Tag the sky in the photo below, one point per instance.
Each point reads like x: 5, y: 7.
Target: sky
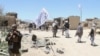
x: 30, y: 9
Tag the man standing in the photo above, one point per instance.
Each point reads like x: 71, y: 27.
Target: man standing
x: 46, y: 26
x: 63, y: 28
x: 92, y: 34
x: 30, y: 27
x: 55, y: 28
x: 14, y: 41
x: 66, y: 25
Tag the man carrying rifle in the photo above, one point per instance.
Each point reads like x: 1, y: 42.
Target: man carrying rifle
x: 92, y: 34
x: 14, y: 41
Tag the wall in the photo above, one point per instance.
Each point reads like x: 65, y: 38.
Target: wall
x: 74, y: 21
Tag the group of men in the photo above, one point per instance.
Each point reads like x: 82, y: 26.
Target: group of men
x: 14, y: 36
x: 65, y: 28
x: 78, y: 33
x: 92, y: 33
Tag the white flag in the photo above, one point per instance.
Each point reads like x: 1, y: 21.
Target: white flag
x: 79, y: 6
x: 42, y: 17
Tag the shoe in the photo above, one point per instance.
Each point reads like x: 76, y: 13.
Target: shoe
x: 94, y: 45
x: 79, y: 41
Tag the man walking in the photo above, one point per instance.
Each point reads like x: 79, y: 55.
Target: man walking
x: 79, y: 32
x: 14, y: 41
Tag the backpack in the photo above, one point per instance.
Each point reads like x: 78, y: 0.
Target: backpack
x: 34, y: 37
x: 66, y: 25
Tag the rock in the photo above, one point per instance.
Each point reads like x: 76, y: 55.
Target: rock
x: 1, y: 50
x: 60, y: 51
x: 24, y: 50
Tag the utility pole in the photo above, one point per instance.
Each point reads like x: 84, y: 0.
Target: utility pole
x: 80, y: 9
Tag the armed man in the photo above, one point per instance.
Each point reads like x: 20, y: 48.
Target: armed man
x: 14, y: 41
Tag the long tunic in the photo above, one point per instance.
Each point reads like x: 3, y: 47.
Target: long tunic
x: 79, y: 31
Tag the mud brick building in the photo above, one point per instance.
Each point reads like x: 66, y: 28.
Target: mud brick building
x: 9, y: 19
x: 74, y: 21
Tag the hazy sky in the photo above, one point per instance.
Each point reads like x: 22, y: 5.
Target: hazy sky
x: 30, y: 9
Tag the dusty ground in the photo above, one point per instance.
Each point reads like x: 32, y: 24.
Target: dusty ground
x: 69, y: 45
